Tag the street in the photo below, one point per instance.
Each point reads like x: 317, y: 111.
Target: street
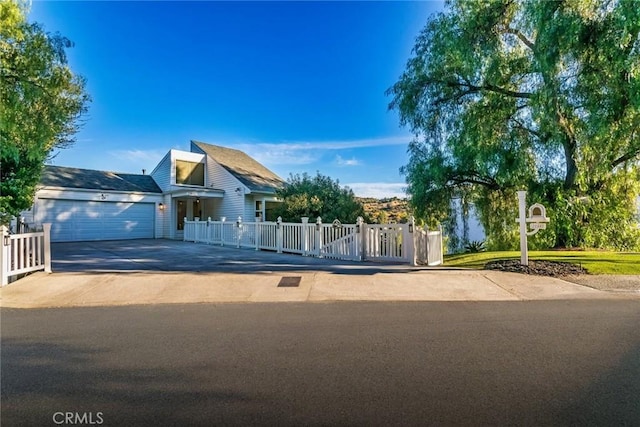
x: 347, y: 363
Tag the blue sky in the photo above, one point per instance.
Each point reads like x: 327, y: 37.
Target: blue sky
x: 297, y: 85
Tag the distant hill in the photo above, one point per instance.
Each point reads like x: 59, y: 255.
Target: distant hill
x: 388, y: 210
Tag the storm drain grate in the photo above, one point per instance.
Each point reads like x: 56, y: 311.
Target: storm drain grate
x: 290, y: 282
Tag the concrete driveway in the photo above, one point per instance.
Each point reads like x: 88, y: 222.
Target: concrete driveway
x: 165, y: 272
x: 160, y: 255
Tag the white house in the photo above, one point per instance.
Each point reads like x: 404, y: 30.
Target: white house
x: 208, y: 181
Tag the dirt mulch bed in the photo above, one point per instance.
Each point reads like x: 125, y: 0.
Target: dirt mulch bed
x: 542, y: 268
x: 571, y: 273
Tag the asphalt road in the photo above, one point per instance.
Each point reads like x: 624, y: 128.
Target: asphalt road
x: 519, y: 363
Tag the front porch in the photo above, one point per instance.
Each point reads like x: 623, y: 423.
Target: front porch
x: 192, y: 209
x: 193, y: 204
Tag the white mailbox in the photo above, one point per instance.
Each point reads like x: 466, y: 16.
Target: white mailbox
x: 537, y: 214
x: 536, y: 221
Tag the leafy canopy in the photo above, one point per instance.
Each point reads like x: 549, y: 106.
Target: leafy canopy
x: 41, y: 103
x: 527, y: 94
x: 318, y: 196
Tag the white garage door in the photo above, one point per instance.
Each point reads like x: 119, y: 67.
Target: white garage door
x: 85, y: 220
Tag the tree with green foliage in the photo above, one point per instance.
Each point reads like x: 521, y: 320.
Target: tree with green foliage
x: 526, y: 94
x: 41, y: 104
x: 381, y: 217
x: 318, y: 196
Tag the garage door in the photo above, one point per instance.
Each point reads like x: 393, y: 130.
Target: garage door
x: 85, y: 220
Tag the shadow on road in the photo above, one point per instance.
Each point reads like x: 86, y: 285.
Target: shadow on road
x: 613, y: 398
x: 40, y: 379
x: 529, y: 363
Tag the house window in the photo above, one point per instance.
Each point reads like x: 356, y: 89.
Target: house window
x: 189, y: 173
x: 258, y: 210
x: 270, y: 211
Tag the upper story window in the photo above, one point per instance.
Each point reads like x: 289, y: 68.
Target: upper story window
x: 189, y: 173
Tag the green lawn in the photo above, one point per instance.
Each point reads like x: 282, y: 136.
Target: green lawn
x: 596, y: 262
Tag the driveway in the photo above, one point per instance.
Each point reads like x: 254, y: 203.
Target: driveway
x: 160, y: 255
x: 165, y: 271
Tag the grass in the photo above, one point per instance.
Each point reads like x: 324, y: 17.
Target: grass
x: 596, y: 262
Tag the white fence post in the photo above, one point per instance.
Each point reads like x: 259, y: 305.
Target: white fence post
x: 258, y: 235
x: 427, y: 249
x: 4, y: 256
x: 185, y: 233
x: 441, y: 244
x: 222, y: 219
x: 239, y: 233
x: 360, y: 238
x: 411, y: 242
x: 366, y: 237
x: 46, y: 227
x: 279, y: 235
x: 305, y: 237
x: 318, y: 248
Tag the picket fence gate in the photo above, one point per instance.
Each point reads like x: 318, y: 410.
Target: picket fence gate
x: 404, y: 243
x: 24, y: 253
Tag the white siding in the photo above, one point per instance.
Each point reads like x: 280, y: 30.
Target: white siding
x: 233, y: 204
x: 162, y: 173
x: 215, y: 208
x: 249, y: 209
x: 97, y: 195
x: 164, y: 222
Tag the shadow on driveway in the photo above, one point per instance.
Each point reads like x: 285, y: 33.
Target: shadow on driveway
x: 160, y: 255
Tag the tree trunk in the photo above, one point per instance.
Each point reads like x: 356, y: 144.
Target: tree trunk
x: 572, y: 168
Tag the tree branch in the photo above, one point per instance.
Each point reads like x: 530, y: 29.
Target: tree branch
x: 493, y: 88
x: 472, y: 177
x: 521, y: 126
x: 626, y: 157
x: 487, y: 87
x: 17, y: 78
x: 520, y: 36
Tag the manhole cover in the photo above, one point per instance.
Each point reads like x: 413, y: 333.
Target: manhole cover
x: 289, y: 282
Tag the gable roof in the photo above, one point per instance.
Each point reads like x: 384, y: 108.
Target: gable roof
x: 58, y: 176
x: 246, y: 169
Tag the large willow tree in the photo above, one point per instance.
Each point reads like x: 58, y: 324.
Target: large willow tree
x: 536, y: 95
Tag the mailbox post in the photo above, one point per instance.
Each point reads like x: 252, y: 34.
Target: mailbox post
x: 537, y: 219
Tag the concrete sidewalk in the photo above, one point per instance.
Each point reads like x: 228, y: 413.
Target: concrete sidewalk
x: 76, y: 289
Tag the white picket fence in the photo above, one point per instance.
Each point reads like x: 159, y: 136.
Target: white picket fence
x: 24, y: 253
x: 357, y: 242
x: 429, y: 246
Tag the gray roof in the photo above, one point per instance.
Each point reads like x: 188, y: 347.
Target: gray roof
x: 58, y: 176
x: 246, y: 169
